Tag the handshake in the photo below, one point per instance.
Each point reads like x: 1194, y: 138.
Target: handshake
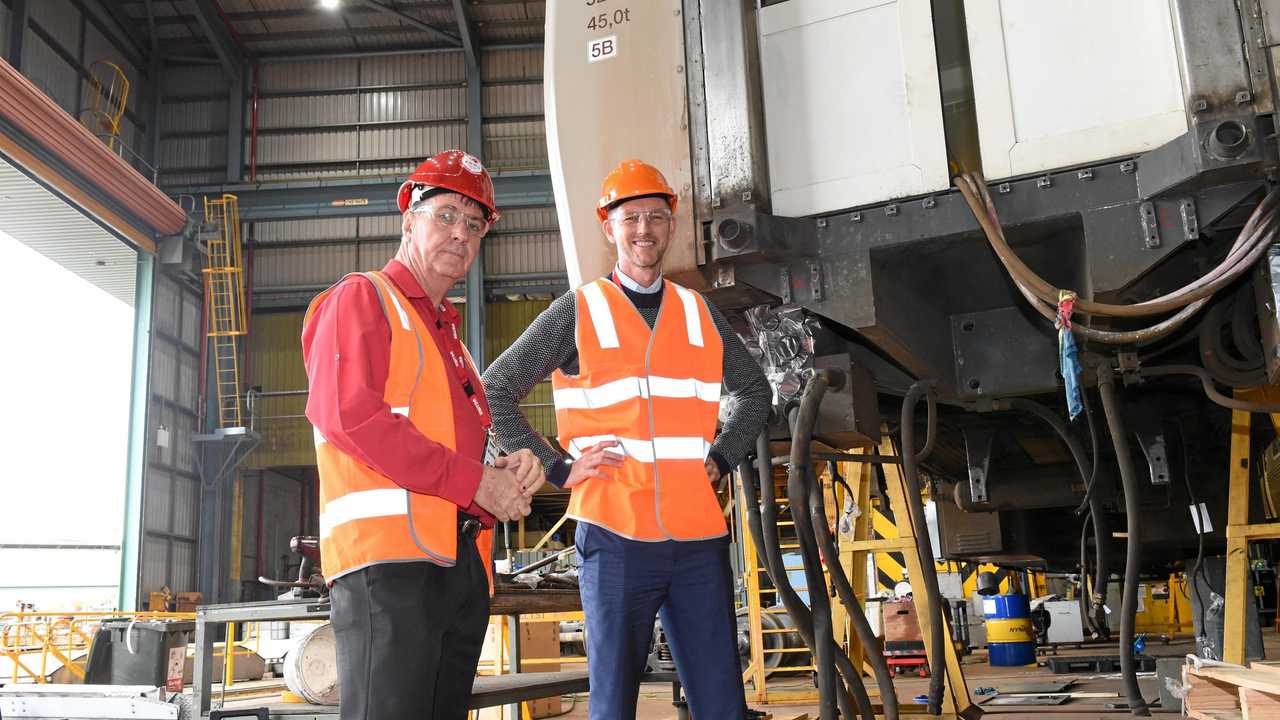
x: 508, y: 485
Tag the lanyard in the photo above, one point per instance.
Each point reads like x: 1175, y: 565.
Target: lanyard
x: 453, y: 346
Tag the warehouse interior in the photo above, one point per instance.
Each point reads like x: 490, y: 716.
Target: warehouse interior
x: 1012, y: 509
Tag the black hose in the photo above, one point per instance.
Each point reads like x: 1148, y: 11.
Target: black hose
x: 1133, y: 540
x: 1101, y: 529
x: 1095, y: 450
x: 799, y: 481
x: 1086, y: 609
x: 762, y: 516
x: 871, y: 645
x: 924, y: 547
x: 1089, y: 475
x: 1197, y: 568
x: 1222, y: 365
x: 1244, y: 324
x: 1207, y: 383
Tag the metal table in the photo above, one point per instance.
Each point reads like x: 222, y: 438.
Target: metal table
x: 509, y: 602
x: 206, y: 615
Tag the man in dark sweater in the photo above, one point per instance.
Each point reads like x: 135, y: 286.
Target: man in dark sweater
x: 638, y: 363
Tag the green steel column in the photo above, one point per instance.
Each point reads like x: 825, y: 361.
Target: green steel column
x: 139, y: 400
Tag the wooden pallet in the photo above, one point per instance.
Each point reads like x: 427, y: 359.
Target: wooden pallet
x: 1232, y: 692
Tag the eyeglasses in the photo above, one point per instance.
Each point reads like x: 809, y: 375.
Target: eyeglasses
x: 658, y: 217
x: 448, y: 216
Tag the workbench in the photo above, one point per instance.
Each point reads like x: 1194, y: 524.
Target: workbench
x: 487, y: 691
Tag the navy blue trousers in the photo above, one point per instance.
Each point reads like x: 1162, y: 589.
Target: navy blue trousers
x: 625, y: 583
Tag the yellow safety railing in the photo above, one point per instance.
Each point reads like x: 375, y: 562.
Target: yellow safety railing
x: 225, y: 304
x: 31, y: 640
x: 763, y: 601
x: 109, y: 95
x: 231, y: 649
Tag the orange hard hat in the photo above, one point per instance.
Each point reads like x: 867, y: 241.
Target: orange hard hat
x: 452, y: 170
x: 632, y: 179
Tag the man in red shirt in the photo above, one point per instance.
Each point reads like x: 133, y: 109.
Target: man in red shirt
x: 408, y: 475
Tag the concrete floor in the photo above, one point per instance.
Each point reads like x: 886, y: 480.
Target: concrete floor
x: 655, y: 700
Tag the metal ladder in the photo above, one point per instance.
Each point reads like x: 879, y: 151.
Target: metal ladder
x: 224, y: 302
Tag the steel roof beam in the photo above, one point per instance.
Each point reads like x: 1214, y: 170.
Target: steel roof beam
x: 412, y: 21
x: 219, y: 35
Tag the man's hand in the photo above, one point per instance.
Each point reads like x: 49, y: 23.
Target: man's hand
x: 528, y: 470
x: 713, y: 471
x: 499, y: 493
x: 594, y: 463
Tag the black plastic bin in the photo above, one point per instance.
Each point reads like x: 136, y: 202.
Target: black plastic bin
x: 141, y: 658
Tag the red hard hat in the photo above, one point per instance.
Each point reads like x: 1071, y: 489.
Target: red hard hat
x: 632, y: 178
x: 452, y: 170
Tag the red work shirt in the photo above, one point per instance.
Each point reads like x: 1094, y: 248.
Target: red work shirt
x: 347, y: 350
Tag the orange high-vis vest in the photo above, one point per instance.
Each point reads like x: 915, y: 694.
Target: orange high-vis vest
x: 365, y: 517
x: 657, y: 393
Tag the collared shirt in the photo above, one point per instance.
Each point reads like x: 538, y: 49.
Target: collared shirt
x: 347, y: 351
x: 630, y: 284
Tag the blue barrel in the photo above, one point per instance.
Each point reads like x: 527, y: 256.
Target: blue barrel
x: 1010, y: 636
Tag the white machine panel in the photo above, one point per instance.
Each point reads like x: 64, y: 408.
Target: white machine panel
x: 853, y: 108
x: 1059, y: 84
x: 1065, y: 625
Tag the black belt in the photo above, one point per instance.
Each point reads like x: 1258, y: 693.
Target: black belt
x: 468, y: 526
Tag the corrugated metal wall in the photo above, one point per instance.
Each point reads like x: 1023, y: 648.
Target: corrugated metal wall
x: 276, y: 356
x: 60, y: 46
x: 276, y: 361
x: 193, y: 121
x: 171, y: 482
x: 4, y: 29
x: 379, y: 115
x: 273, y: 514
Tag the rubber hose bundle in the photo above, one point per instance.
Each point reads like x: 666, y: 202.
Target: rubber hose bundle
x: 924, y: 547
x: 1133, y: 540
x: 872, y: 646
x: 762, y: 519
x: 1250, y: 244
x: 799, y: 480
x: 1244, y: 367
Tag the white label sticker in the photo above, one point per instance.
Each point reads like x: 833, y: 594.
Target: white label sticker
x: 472, y: 164
x: 988, y: 607
x: 1201, y: 519
x: 173, y: 674
x: 602, y: 49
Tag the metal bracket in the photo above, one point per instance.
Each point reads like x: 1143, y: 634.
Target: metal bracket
x: 977, y: 447
x: 1190, y: 223
x: 1147, y: 213
x: 815, y: 280
x: 725, y: 276
x: 1150, y: 436
x: 784, y: 284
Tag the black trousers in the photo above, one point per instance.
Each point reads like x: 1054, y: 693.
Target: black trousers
x: 409, y: 637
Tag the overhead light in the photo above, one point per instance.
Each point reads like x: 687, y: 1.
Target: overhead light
x: 330, y: 4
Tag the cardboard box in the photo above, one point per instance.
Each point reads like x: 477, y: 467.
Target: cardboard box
x: 538, y: 640
x: 187, y: 601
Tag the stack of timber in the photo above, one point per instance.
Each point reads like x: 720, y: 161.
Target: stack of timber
x: 1220, y: 691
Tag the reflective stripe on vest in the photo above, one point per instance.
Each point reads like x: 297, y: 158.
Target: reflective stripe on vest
x: 656, y: 392
x: 628, y: 388
x: 365, y: 518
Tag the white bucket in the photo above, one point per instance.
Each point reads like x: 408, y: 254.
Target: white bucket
x: 311, y: 668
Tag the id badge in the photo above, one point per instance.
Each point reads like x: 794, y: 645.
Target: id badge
x: 491, y: 449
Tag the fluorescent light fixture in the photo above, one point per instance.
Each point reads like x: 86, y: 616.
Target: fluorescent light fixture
x: 330, y: 4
